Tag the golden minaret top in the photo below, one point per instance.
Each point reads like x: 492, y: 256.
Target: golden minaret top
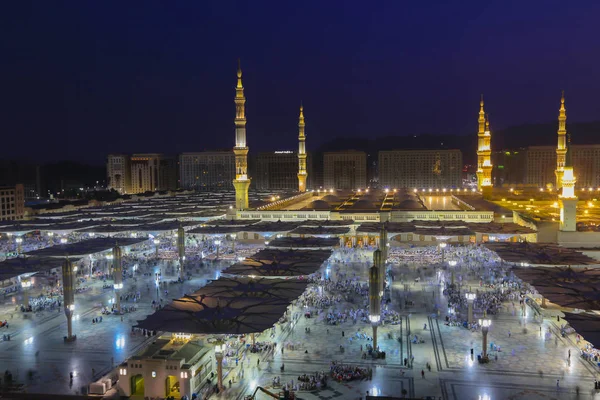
x: 561, y: 148
x: 302, y: 173
x: 241, y: 183
x: 481, y: 119
x: 484, y: 164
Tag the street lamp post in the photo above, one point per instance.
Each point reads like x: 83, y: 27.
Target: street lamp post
x: 443, y: 247
x: 217, y: 243
x: 157, y: 282
x: 181, y: 251
x: 375, y: 296
x: 219, y: 349
x: 108, y: 264
x: 485, y: 326
x: 118, y: 274
x: 26, y: 285
x: 232, y: 237
x: 156, y: 243
x: 452, y: 263
x: 19, y: 241
x: 69, y: 296
x: 470, y: 299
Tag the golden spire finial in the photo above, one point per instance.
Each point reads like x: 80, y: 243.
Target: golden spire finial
x: 481, y: 101
x: 301, y: 110
x: 239, y: 75
x: 487, y: 122
x: 562, y: 97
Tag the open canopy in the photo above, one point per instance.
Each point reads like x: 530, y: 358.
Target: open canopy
x: 587, y: 325
x: 568, y: 287
x: 539, y: 254
x: 84, y: 248
x: 288, y: 289
x: 304, y: 243
x: 14, y: 267
x: 320, y: 230
x: 278, y: 226
x: 217, y: 315
x: 280, y: 263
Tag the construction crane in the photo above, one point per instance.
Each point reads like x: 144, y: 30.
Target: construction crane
x: 283, y: 395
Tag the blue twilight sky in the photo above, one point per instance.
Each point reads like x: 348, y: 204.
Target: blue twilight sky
x: 79, y: 79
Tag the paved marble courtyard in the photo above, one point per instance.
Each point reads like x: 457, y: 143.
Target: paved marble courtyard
x: 527, y: 367
x: 37, y: 338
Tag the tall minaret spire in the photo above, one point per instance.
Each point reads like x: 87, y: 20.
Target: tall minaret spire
x: 568, y: 199
x: 302, y: 174
x: 561, y: 149
x: 484, y: 151
x: 481, y: 119
x: 241, y: 183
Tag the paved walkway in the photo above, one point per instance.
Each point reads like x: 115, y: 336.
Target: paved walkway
x: 98, y: 346
x: 527, y: 367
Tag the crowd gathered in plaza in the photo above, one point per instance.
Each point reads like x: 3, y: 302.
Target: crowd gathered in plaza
x: 337, y: 297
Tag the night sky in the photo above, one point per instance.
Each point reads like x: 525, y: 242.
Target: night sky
x: 81, y: 79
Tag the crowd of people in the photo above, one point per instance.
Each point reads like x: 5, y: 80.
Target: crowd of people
x: 336, y: 296
x: 344, y: 372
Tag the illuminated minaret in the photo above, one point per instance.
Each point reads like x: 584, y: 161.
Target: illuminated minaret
x: 561, y: 149
x: 567, y: 199
x: 484, y: 151
x: 241, y: 183
x: 302, y: 174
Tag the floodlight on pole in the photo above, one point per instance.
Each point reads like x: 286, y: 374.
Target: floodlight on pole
x: 217, y: 243
x: 219, y: 350
x: 156, y: 243
x: 443, y: 247
x: 485, y: 326
x: 470, y: 299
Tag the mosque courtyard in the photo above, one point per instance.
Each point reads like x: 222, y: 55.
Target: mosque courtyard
x: 527, y: 366
x: 530, y: 359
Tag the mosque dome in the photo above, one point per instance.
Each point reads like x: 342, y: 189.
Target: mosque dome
x: 410, y: 204
x: 318, y: 205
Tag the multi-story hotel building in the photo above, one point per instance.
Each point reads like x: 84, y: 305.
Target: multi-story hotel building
x: 209, y: 170
x: 12, y: 202
x: 152, y: 172
x: 509, y: 166
x: 345, y: 170
x: 118, y: 173
x: 540, y: 165
x: 420, y: 168
x: 276, y: 170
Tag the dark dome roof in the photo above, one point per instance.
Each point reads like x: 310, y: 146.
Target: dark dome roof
x: 410, y: 204
x: 331, y: 198
x: 318, y: 205
x: 364, y: 204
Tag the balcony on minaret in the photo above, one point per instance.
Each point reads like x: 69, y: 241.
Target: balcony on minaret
x: 487, y: 163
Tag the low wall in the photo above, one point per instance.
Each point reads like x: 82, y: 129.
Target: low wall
x: 578, y: 239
